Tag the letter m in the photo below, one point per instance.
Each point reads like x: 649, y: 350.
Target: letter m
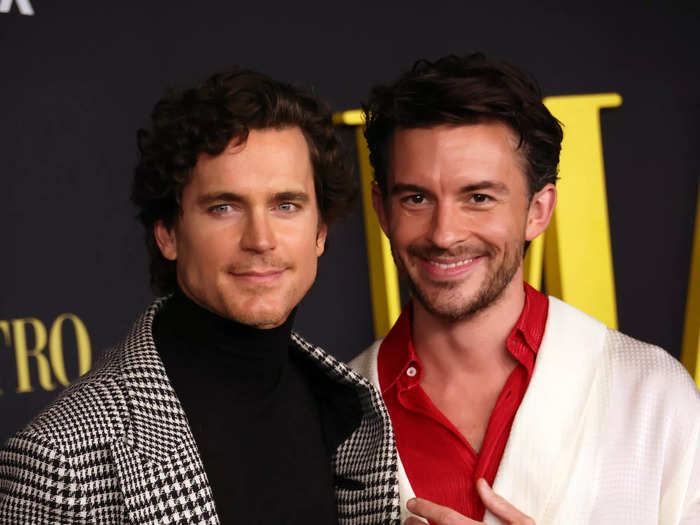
x: 24, y: 6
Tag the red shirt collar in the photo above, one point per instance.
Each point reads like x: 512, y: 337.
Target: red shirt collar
x: 397, y: 354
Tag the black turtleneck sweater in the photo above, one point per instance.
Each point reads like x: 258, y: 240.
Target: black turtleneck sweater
x: 265, y: 418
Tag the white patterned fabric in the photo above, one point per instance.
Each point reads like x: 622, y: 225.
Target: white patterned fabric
x: 115, y: 448
x: 608, y: 432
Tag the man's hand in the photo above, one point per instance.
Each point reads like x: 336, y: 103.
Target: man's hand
x: 439, y: 515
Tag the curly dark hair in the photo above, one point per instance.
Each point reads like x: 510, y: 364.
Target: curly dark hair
x: 205, y: 119
x: 457, y: 90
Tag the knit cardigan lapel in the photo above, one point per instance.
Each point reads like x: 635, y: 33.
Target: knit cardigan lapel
x: 548, y: 467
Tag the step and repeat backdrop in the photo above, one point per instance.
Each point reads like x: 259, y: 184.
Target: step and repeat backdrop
x: 78, y: 78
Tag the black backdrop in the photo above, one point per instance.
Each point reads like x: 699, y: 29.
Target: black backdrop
x: 79, y: 77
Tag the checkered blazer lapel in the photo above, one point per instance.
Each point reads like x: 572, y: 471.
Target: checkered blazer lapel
x: 157, y: 462
x: 365, y: 465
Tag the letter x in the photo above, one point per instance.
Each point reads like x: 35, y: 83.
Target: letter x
x: 23, y: 5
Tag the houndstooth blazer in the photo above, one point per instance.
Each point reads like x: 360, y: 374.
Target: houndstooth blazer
x: 116, y: 448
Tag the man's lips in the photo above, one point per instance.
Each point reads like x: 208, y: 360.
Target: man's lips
x: 259, y: 276
x: 446, y: 268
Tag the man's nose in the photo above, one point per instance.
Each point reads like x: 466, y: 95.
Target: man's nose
x: 258, y: 235
x: 447, y: 227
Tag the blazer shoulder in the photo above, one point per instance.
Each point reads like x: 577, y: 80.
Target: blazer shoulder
x: 93, y: 411
x: 89, y: 413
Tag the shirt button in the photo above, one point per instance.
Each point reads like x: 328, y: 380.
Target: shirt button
x: 411, y: 371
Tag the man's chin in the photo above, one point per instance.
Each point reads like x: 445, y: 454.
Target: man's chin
x: 262, y: 318
x: 448, y: 311
x: 265, y: 323
x: 448, y: 303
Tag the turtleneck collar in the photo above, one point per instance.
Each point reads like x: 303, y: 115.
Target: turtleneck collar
x: 195, y: 340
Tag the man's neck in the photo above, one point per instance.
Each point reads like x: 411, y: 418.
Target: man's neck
x: 475, y: 346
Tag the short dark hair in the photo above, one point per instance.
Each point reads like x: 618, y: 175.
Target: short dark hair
x: 205, y: 119
x: 457, y: 90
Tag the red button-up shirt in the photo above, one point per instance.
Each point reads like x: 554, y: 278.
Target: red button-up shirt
x: 440, y: 463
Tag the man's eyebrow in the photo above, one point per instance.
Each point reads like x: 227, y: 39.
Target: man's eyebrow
x: 219, y: 196
x: 296, y: 196
x: 408, y: 188
x: 498, y: 187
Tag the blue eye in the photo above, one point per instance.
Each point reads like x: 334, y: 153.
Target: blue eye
x: 287, y: 206
x: 220, y: 208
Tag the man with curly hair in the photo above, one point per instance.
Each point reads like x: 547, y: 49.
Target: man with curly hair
x: 488, y: 382
x: 212, y: 410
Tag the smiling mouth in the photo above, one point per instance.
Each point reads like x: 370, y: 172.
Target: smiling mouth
x: 455, y: 264
x: 443, y: 269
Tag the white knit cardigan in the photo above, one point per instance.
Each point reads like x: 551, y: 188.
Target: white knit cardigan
x: 608, y: 432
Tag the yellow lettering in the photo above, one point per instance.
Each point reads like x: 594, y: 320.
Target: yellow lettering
x: 5, y: 330
x: 23, y: 353
x: 578, y: 255
x: 690, y: 354
x: 56, y: 347
x: 384, y: 282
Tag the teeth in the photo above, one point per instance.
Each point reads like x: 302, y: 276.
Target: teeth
x: 451, y: 265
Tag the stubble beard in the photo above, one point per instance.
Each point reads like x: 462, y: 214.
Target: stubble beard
x: 458, y: 308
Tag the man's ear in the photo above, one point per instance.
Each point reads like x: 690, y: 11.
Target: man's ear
x: 540, y: 211
x: 379, y: 207
x: 166, y: 240
x: 321, y: 238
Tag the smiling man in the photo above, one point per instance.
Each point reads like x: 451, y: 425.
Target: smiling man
x: 487, y: 381
x: 213, y: 410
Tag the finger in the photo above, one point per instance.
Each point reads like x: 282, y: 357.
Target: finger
x: 413, y: 521
x: 499, y: 506
x: 437, y: 514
